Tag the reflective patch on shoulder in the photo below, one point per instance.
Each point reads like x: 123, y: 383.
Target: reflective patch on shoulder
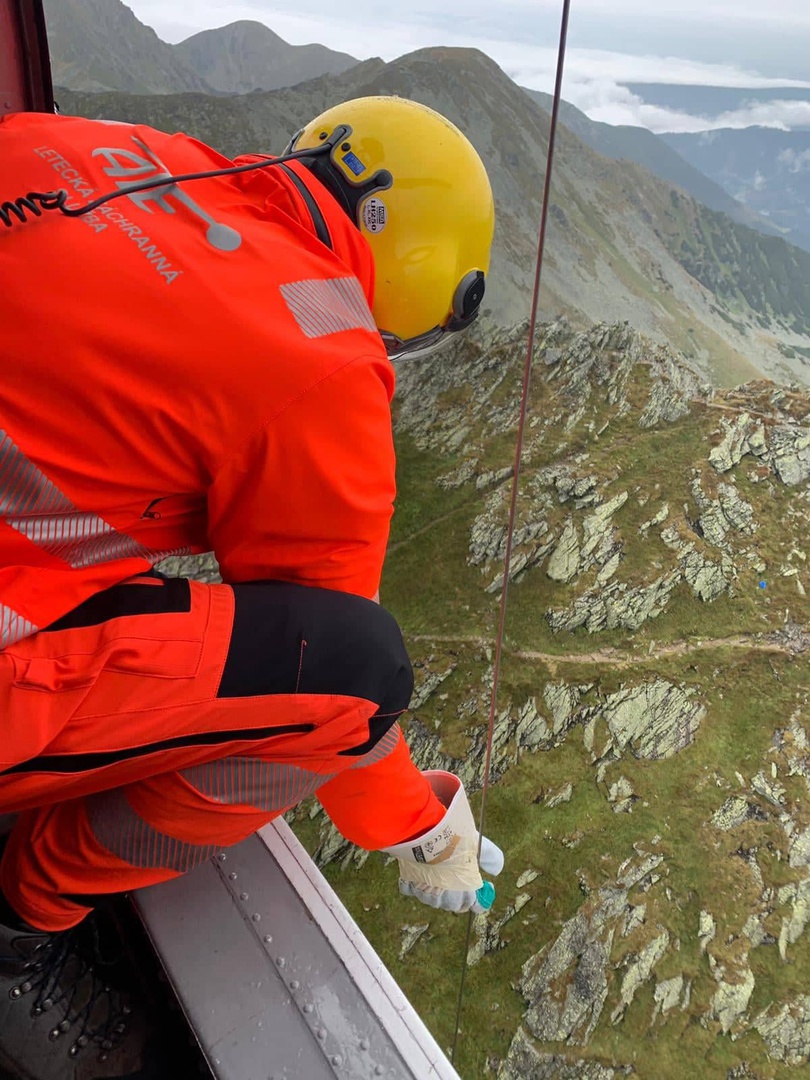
x: 322, y: 307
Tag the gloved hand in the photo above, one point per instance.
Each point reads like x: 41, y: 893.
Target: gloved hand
x: 440, y: 867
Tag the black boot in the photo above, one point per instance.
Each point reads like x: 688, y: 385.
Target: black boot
x: 59, y: 1019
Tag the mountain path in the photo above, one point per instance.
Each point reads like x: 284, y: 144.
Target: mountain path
x: 620, y: 658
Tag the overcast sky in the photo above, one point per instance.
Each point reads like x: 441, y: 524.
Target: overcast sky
x: 713, y: 42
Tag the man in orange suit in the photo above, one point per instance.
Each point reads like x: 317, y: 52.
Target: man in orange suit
x: 193, y: 366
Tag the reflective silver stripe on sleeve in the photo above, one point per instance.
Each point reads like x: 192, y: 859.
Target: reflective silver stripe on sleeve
x: 39, y: 511
x: 124, y: 833
x: 323, y: 307
x: 386, y: 745
x: 266, y: 785
x: 13, y: 627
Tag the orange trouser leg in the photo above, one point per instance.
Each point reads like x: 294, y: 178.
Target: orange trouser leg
x: 112, y: 842
x: 141, y: 743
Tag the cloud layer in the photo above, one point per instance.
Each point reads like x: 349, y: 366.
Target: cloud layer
x: 594, y: 83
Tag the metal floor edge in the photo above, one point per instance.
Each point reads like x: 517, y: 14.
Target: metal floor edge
x: 275, y: 978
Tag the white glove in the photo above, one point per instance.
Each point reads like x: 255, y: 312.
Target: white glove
x: 441, y: 867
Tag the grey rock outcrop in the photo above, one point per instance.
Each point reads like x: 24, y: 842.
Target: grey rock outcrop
x: 798, y: 895
x: 668, y: 994
x: 742, y: 435
x: 568, y: 988
x: 637, y: 972
x: 526, y: 878
x: 654, y: 720
x: 616, y: 606
x: 488, y: 930
x: 598, y: 533
x: 410, y: 936
x: 566, y: 985
x: 790, y: 449
x: 602, y: 360
x: 731, y: 1000
x: 785, y: 448
x: 787, y: 1031
x: 199, y: 567
x: 706, y: 578
x: 734, y: 811
x: 426, y: 683
x: 525, y: 1062
x: 557, y: 798
x: 706, y: 930
x: 531, y: 731
x: 562, y: 700
x: 622, y: 796
x: 563, y: 563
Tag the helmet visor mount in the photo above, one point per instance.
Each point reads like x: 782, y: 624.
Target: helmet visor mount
x: 466, y: 305
x: 422, y: 343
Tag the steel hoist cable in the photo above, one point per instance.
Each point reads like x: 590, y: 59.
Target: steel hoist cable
x: 524, y: 404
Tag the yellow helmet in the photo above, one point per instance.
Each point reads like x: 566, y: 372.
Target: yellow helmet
x: 419, y: 193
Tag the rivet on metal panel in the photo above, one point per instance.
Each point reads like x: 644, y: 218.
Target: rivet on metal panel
x: 365, y: 1044
x: 378, y: 1070
x: 309, y: 1008
x: 257, y: 917
x: 281, y: 962
x: 222, y: 856
x: 337, y: 1059
x: 295, y: 985
x: 243, y: 896
x: 321, y: 1033
x: 268, y: 938
x: 232, y: 875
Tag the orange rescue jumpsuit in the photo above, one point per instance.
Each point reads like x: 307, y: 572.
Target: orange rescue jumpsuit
x: 185, y: 369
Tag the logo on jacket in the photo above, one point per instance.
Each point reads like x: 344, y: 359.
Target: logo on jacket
x: 128, y: 167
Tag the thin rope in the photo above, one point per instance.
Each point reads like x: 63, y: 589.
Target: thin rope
x: 524, y: 406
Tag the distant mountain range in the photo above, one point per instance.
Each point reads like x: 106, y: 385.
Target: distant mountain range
x: 622, y: 243
x: 100, y: 45
x: 765, y: 169
x: 623, y: 142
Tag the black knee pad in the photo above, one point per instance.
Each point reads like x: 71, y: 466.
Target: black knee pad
x: 289, y: 639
